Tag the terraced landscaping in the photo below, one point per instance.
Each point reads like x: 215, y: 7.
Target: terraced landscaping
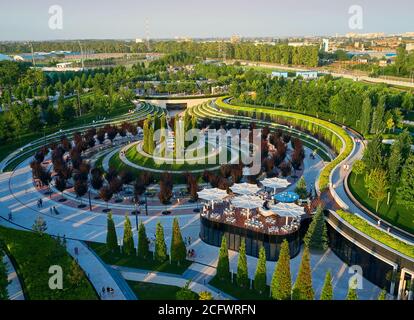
x: 29, y: 149
x: 206, y: 111
x: 377, y: 234
x: 339, y: 139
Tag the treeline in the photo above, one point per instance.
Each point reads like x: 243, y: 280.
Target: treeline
x: 367, y: 108
x: 279, y: 53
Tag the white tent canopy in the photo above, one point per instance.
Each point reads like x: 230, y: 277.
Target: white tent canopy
x: 275, y: 183
x: 213, y: 194
x: 244, y: 188
x: 287, y: 210
x: 247, y: 202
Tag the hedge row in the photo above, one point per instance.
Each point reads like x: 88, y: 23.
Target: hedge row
x: 377, y: 234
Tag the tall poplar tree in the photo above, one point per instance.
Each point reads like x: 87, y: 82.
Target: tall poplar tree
x: 365, y: 124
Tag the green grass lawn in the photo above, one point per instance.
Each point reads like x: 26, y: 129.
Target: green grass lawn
x: 153, y: 291
x: 32, y: 256
x: 394, y: 213
x: 134, y: 156
x: 135, y: 262
x: 237, y: 292
x: 178, y: 178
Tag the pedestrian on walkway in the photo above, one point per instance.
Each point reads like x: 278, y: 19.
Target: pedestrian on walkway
x: 51, y: 211
x: 41, y: 202
x: 103, y: 291
x: 10, y: 216
x: 76, y: 251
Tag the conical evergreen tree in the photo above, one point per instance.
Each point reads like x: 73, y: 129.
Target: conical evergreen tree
x: 382, y: 295
x: 316, y: 237
x: 242, y: 273
x: 223, y: 265
x: 260, y: 276
x: 111, y: 239
x: 327, y: 291
x: 302, y: 290
x: 160, y: 253
x: 301, y: 188
x: 281, y: 287
x: 128, y: 247
x: 352, y: 294
x: 143, y: 245
x: 178, y: 250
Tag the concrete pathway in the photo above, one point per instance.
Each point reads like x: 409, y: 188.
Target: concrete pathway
x: 95, y: 270
x: 132, y: 274
x: 18, y: 195
x: 14, y: 288
x: 338, y: 182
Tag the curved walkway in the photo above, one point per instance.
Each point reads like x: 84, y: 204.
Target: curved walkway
x: 14, y: 288
x: 169, y: 279
x: 338, y: 183
x: 18, y: 195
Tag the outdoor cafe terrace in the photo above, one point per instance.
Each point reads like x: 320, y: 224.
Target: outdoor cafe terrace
x: 259, y: 219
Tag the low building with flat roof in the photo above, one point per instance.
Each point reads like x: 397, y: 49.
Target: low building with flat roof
x: 307, y: 74
x: 278, y: 74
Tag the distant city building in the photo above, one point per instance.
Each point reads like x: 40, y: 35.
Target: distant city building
x: 365, y: 35
x: 235, y: 39
x: 139, y: 40
x: 307, y: 74
x: 299, y: 44
x: 408, y: 34
x: 278, y: 74
x: 409, y: 46
x: 325, y: 45
x: 63, y: 65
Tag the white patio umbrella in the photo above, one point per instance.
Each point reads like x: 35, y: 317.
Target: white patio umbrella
x: 213, y: 194
x: 287, y: 210
x: 275, y: 183
x: 247, y: 202
x: 244, y: 188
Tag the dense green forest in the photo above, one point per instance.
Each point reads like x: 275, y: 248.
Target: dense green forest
x: 280, y: 53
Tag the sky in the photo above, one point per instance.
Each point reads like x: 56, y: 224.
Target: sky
x: 127, y: 19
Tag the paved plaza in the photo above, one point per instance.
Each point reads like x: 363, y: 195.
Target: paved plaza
x: 18, y: 195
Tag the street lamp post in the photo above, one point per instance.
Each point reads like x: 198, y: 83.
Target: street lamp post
x: 90, y: 203
x: 146, y: 203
